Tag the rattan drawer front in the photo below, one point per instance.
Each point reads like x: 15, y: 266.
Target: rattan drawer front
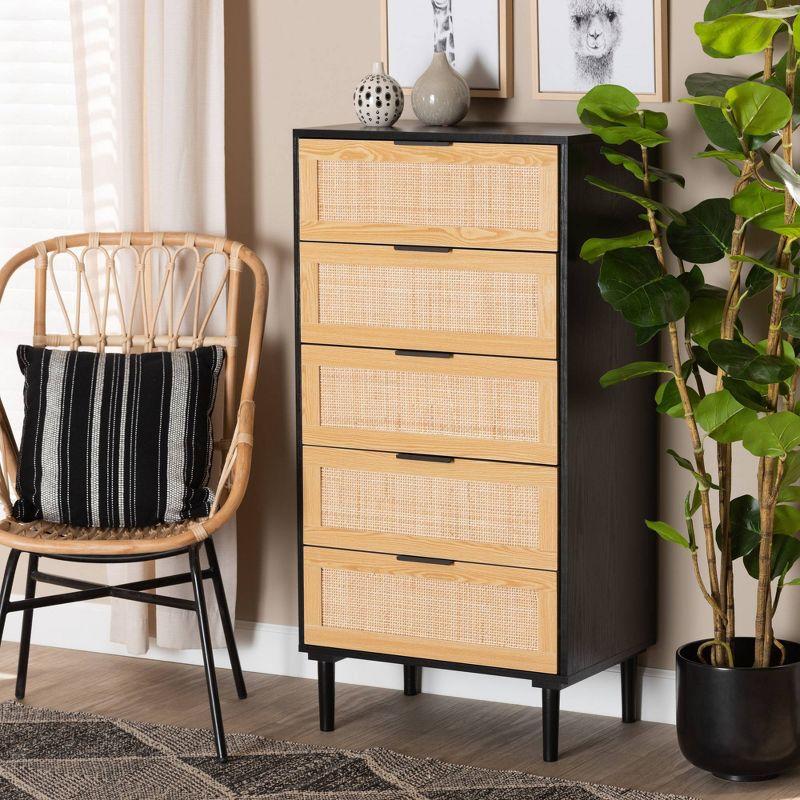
x: 467, y: 406
x: 467, y: 613
x: 489, y: 513
x: 470, y: 195
x: 465, y: 301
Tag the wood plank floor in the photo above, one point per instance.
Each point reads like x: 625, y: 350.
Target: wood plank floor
x: 496, y: 736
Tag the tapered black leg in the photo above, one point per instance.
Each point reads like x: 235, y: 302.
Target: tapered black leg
x: 412, y: 680
x: 208, y: 653
x: 5, y: 589
x: 326, y: 680
x: 27, y: 624
x: 630, y: 690
x: 225, y: 618
x: 551, y: 702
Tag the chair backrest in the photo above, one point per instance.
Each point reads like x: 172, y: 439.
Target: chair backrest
x: 142, y: 292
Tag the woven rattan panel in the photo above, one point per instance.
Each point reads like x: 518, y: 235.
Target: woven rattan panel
x: 441, y: 508
x: 493, y: 196
x: 426, y: 608
x: 426, y: 298
x: 465, y: 406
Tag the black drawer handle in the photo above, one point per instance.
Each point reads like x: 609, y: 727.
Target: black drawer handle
x: 422, y: 354
x: 425, y: 457
x: 442, y: 562
x: 421, y: 248
x: 421, y: 143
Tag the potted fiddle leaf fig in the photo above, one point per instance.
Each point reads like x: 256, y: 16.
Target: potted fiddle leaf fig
x: 730, y: 385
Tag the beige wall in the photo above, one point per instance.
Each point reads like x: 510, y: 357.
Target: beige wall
x: 295, y: 64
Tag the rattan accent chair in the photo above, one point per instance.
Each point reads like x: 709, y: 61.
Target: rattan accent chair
x: 168, y: 308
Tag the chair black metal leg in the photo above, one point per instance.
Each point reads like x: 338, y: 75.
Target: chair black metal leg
x: 412, y: 680
x: 27, y: 624
x: 5, y: 589
x: 208, y: 653
x: 326, y: 680
x: 630, y: 689
x: 551, y: 701
x: 225, y: 618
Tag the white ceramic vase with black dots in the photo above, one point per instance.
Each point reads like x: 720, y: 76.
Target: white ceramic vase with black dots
x: 378, y: 99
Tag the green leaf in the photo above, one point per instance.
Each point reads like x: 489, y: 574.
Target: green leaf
x: 785, y: 553
x: 796, y: 32
x: 633, y: 283
x: 773, y: 436
x: 611, y: 103
x: 723, y: 417
x: 708, y: 100
x: 737, y: 35
x: 719, y: 131
x: 744, y: 526
x: 593, y: 249
x: 789, y: 494
x: 730, y: 158
x: 644, y: 335
x: 790, y: 321
x: 619, y: 134
x: 746, y: 363
x: 711, y: 83
x: 758, y: 279
x: 681, y: 461
x: 787, y: 520
x: 787, y: 174
x: 745, y: 394
x: 758, y: 109
x: 638, y: 369
x: 706, y: 235
x: 636, y: 168
x: 795, y: 582
x: 765, y: 265
x: 755, y: 200
x: 721, y: 8
x: 703, y: 359
x: 645, y: 202
x: 693, y: 280
x: 654, y: 120
x: 704, y: 318
x: 668, y: 533
x: 791, y: 468
x: 668, y: 399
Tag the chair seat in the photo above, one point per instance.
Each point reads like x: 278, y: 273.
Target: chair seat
x: 50, y: 537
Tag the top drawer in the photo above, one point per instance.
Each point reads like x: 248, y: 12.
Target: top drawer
x: 462, y: 195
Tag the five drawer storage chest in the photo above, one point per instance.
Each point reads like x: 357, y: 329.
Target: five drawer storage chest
x: 469, y: 497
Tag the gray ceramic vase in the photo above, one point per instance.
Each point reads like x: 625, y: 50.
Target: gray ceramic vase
x: 441, y: 96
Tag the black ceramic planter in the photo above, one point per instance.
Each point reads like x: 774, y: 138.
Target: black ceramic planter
x: 740, y: 724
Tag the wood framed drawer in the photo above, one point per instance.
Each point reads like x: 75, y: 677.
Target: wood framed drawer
x: 502, y: 409
x: 466, y: 613
x: 462, y: 301
x: 478, y: 511
x: 461, y: 195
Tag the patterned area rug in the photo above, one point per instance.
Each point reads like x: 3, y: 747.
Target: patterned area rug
x: 52, y: 755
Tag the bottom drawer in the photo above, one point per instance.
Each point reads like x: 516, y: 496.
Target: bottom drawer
x: 467, y: 613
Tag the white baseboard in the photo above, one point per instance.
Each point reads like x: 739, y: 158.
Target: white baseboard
x: 272, y: 649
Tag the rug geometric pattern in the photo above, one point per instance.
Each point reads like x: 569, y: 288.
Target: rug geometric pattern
x: 53, y: 755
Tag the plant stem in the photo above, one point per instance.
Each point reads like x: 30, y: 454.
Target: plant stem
x: 688, y: 415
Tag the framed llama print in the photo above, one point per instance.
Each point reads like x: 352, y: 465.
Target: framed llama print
x: 579, y: 44
x: 476, y: 34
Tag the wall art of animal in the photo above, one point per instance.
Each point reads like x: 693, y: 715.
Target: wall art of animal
x: 595, y: 33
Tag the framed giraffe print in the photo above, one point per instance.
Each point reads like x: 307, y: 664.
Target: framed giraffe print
x: 578, y: 44
x: 476, y: 34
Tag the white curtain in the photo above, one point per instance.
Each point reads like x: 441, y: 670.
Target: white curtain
x: 150, y: 90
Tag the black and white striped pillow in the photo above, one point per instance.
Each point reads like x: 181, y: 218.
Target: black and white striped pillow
x: 113, y: 440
